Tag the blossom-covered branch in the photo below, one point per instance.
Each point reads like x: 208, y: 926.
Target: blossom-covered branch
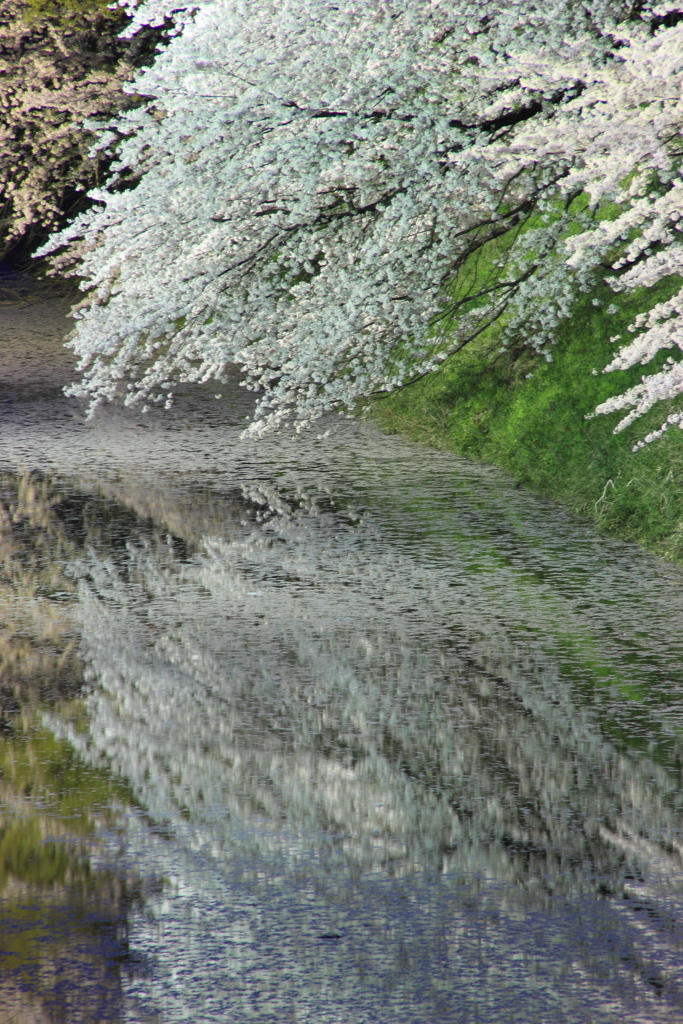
x: 317, y: 179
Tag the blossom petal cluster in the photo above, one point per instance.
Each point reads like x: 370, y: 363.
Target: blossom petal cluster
x: 317, y: 180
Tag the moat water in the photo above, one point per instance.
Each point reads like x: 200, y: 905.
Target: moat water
x: 321, y: 729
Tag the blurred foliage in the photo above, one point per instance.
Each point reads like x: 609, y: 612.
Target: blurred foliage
x: 62, y: 62
x: 68, y: 10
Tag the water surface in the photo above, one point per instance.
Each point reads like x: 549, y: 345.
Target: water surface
x: 327, y: 729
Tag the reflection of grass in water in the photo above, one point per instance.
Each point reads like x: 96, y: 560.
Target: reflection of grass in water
x: 58, y: 917
x: 62, y: 924
x: 600, y: 677
x: 44, y: 784
x: 39, y: 663
x: 600, y: 683
x: 606, y: 669
x: 61, y: 950
x: 55, y: 911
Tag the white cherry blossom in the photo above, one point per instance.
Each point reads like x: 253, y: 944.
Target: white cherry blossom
x: 317, y: 181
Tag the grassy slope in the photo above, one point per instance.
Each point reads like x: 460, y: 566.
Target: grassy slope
x: 483, y: 406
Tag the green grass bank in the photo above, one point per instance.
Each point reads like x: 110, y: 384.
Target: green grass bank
x: 528, y: 416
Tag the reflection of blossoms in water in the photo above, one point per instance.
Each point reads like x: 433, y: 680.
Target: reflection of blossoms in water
x: 256, y: 691
x: 289, y: 704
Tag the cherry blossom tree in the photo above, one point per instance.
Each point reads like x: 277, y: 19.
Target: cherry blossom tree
x: 337, y: 196
x: 624, y: 134
x: 61, y: 62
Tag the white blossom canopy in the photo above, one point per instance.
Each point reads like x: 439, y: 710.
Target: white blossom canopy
x: 336, y: 196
